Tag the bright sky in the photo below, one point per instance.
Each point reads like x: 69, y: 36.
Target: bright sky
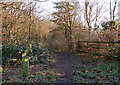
x: 48, y: 6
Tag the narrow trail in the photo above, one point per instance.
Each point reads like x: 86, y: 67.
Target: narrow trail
x: 63, y: 64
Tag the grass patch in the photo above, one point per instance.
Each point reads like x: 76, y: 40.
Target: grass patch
x: 46, y: 76
x: 96, y: 71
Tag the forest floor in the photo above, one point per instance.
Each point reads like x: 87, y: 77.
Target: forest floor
x: 69, y: 68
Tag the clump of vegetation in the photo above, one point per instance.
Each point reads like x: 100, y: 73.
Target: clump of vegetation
x: 36, y: 52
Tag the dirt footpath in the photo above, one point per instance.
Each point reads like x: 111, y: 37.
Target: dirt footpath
x: 64, y: 62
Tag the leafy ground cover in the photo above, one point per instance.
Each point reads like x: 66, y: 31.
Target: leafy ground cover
x: 46, y: 76
x: 88, y: 69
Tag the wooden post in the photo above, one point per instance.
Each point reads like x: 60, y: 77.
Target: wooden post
x: 25, y: 65
x: 78, y: 46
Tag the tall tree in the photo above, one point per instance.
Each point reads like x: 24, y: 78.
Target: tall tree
x: 18, y: 17
x: 114, y: 8
x: 64, y: 18
x: 88, y: 13
x: 112, y: 11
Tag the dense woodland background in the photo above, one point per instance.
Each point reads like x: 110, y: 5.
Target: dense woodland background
x: 71, y: 22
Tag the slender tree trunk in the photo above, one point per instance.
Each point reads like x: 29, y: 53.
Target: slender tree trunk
x: 30, y: 25
x: 114, y: 9
x: 110, y: 11
x: 70, y: 30
x: 96, y: 18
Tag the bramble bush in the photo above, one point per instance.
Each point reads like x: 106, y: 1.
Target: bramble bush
x: 37, y: 53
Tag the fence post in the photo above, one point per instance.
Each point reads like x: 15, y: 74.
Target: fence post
x: 25, y: 65
x: 78, y: 46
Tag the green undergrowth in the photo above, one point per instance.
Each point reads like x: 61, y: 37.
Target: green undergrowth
x: 46, y: 76
x: 37, y: 53
x: 93, y: 70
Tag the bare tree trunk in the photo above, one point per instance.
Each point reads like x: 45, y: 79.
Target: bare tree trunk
x: 110, y: 11
x: 30, y: 24
x: 114, y: 9
x: 96, y: 18
x: 70, y: 29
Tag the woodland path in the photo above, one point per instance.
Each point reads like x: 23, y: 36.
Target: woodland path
x: 64, y: 65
